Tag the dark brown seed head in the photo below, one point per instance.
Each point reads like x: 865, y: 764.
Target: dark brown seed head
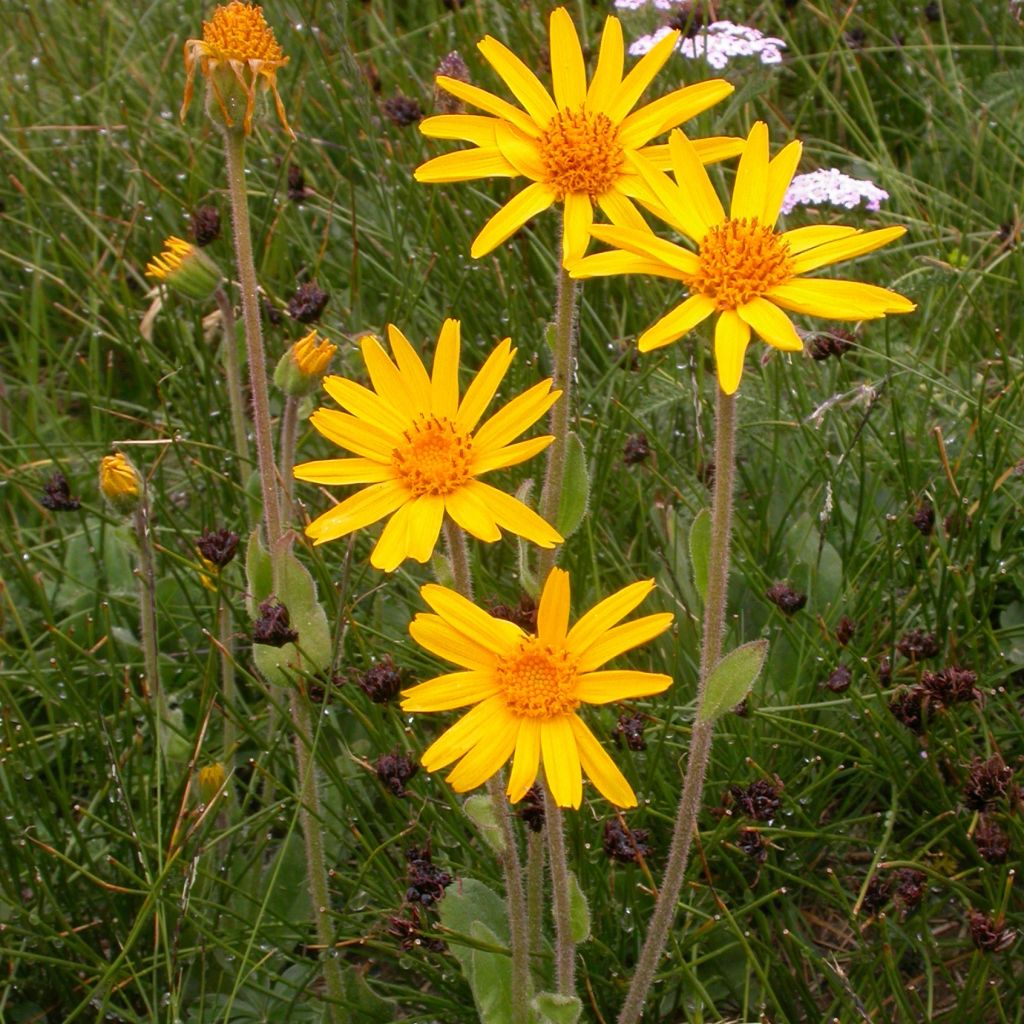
x: 57, y: 495
x: 753, y: 844
x: 531, y: 809
x: 308, y: 303
x: 524, y: 614
x: 907, y: 706
x: 910, y: 887
x: 636, y: 450
x: 297, y: 190
x: 988, y: 934
x: 402, y: 110
x: 381, y: 681
x: 917, y: 645
x: 845, y: 630
x: 452, y: 66
x: 626, y: 845
x: 427, y: 882
x: 987, y: 781
x: 631, y: 729
x: 394, y: 771
x: 839, y: 681
x: 834, y: 343
x: 760, y: 800
x: 273, y: 627
x: 876, y: 895
x: 218, y: 546
x: 951, y: 685
x: 924, y: 518
x: 785, y: 598
x: 205, y: 225
x: 992, y: 842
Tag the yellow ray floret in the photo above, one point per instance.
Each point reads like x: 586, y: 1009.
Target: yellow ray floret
x: 743, y: 268
x: 422, y: 451
x: 526, y: 688
x: 576, y: 143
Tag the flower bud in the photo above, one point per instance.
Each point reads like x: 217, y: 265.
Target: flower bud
x: 302, y: 367
x: 185, y: 268
x: 211, y: 779
x: 120, y: 483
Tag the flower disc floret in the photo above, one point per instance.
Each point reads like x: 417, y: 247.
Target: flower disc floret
x: 538, y: 680
x: 436, y: 457
x: 740, y: 260
x: 238, y: 31
x: 581, y: 153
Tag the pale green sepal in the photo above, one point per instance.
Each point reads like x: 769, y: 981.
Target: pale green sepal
x: 552, y: 1008
x: 579, y: 911
x: 575, y: 497
x: 480, y: 810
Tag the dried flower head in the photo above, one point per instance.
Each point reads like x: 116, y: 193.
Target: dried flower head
x: 308, y: 303
x: 427, y: 882
x: 395, y: 770
x: 297, y: 191
x: 273, y: 626
x: 753, y: 843
x: 239, y: 56
x: 845, y: 630
x: 923, y: 518
x: 917, y: 645
x: 907, y: 707
x: 57, y: 495
x: 185, y: 268
x: 988, y: 933
x: 523, y: 614
x: 120, y: 483
x: 626, y: 845
x: 381, y: 681
x: 452, y: 66
x: 951, y: 685
x: 987, y: 781
x: 876, y: 894
x: 840, y: 679
x: 835, y: 342
x: 636, y: 450
x: 218, y: 546
x: 992, y: 843
x: 402, y: 110
x: 909, y: 889
x: 205, y: 225
x: 760, y: 800
x: 785, y: 598
x: 631, y: 729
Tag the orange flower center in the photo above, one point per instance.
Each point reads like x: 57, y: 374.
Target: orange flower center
x: 581, y: 152
x: 538, y: 681
x: 239, y: 31
x: 740, y: 260
x: 435, y: 458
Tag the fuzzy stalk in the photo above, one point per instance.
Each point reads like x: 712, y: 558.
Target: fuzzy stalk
x: 233, y: 373
x: 560, y: 417
x: 700, y: 740
x: 534, y: 891
x: 515, y: 897
x: 565, y: 948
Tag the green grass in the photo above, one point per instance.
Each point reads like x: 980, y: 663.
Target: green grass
x: 120, y: 901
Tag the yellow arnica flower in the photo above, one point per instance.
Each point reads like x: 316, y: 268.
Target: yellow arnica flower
x: 743, y: 269
x: 303, y: 365
x: 527, y: 688
x: 120, y: 482
x: 577, y: 147
x: 185, y: 268
x: 421, y: 451
x: 236, y: 38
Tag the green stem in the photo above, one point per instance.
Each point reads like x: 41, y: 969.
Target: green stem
x: 225, y: 635
x: 561, y: 411
x: 565, y: 948
x: 233, y: 373
x: 534, y: 892
x: 234, y: 143
x: 148, y: 621
x: 311, y: 816
x: 700, y: 741
x: 519, y: 938
x: 289, y: 434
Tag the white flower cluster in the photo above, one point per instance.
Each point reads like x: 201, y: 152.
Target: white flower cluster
x: 833, y: 187
x: 635, y: 5
x: 719, y: 43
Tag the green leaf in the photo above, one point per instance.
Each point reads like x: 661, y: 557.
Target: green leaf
x: 363, y: 1004
x: 258, y: 575
x: 553, y: 1008
x: 575, y: 497
x: 480, y: 810
x: 731, y: 679
x: 527, y: 576
x: 579, y: 911
x: 700, y: 548
x: 491, y: 979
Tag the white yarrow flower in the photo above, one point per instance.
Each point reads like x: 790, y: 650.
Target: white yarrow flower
x: 833, y: 187
x: 718, y: 43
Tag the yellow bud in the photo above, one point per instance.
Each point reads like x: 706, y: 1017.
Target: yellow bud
x: 211, y: 779
x: 120, y: 483
x: 304, y: 364
x: 185, y: 268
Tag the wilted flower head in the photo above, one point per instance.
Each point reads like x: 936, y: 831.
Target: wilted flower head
x: 238, y: 55
x: 302, y: 367
x: 183, y: 267
x: 120, y: 483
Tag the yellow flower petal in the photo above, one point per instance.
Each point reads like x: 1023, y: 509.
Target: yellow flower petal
x: 845, y: 248
x: 392, y: 547
x: 526, y: 761
x: 344, y: 471
x: 494, y: 748
x: 838, y: 300
x: 646, y: 243
x: 366, y: 405
x: 693, y: 182
x: 751, y: 188
x: 605, y: 614
x: 464, y: 734
x: 520, y: 151
x: 483, y: 386
x: 496, y: 635
x: 620, y: 211
x: 411, y: 367
x: 425, y: 518
x: 622, y: 638
x: 801, y: 239
x: 620, y: 684
x: 433, y: 634
x: 512, y: 419
x: 606, y: 264
x: 771, y: 324
x: 675, y: 324
x: 553, y: 610
x: 568, y: 75
x: 488, y: 101
x: 444, y: 382
x: 780, y: 174
x: 465, y: 165
x: 732, y: 336
x: 447, y: 692
x: 669, y: 111
x: 709, y: 150
x: 386, y: 378
x: 473, y: 128
x: 608, y: 74
x: 470, y: 512
x: 525, y: 85
x: 640, y: 76
x: 561, y: 761
x: 359, y: 510
x: 577, y: 217
x: 355, y: 434
x: 511, y: 217
x: 678, y: 209
x: 512, y: 515
x: 600, y: 768
x: 510, y: 455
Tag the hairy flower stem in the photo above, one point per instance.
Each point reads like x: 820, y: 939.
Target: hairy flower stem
x: 561, y: 412
x: 148, y: 621
x: 515, y: 897
x: 229, y: 692
x: 700, y: 740
x: 565, y: 948
x: 310, y: 815
x: 309, y: 798
x: 234, y: 143
x: 289, y: 435
x: 233, y: 372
